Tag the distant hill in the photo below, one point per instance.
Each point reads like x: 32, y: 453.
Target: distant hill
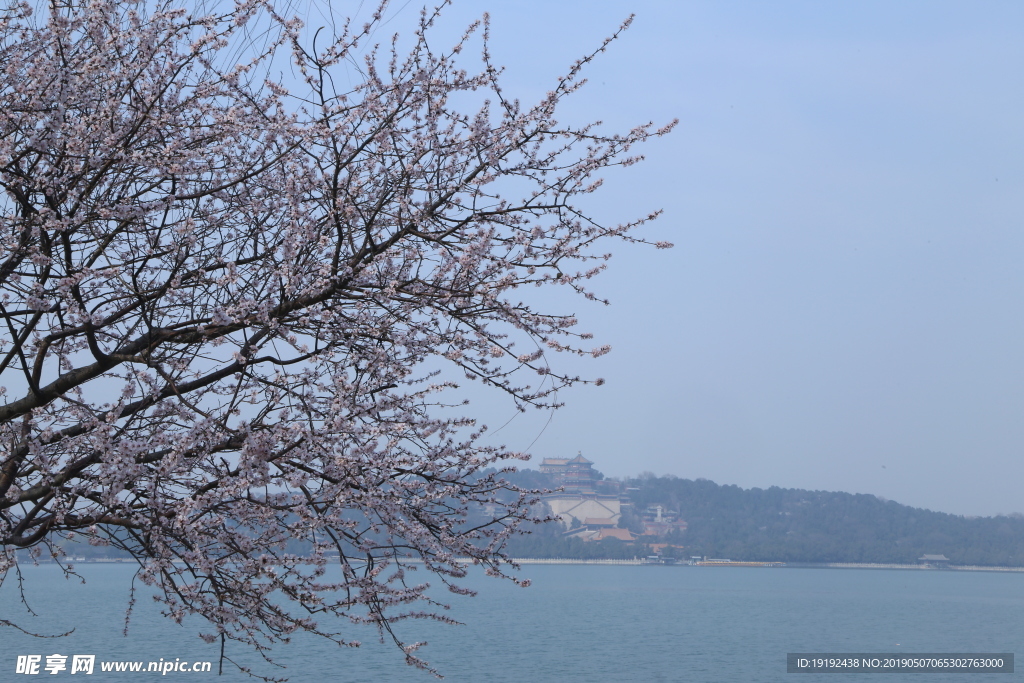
x: 794, y: 525
x: 774, y: 524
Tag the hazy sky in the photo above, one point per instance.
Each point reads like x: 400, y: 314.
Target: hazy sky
x: 843, y: 308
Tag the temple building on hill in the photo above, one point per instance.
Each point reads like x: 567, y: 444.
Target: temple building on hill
x: 586, y: 534
x: 575, y: 476
x: 553, y: 466
x: 658, y: 522
x: 577, y: 508
x: 580, y: 505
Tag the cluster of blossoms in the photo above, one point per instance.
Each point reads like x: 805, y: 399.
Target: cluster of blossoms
x: 231, y: 312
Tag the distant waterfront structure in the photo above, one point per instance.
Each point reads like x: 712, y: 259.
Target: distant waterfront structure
x: 937, y: 561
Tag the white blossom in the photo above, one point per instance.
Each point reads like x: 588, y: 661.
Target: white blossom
x: 233, y: 306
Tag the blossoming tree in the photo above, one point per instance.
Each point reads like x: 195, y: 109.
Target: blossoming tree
x: 233, y: 306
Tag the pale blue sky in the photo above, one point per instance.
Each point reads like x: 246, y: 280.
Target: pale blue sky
x: 843, y: 309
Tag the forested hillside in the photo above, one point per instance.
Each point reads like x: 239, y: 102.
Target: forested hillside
x: 774, y: 524
x: 794, y: 525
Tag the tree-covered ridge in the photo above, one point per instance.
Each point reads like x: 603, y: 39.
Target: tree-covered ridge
x: 795, y: 525
x: 774, y: 524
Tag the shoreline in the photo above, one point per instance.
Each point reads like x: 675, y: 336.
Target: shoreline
x: 640, y: 562
x: 787, y: 565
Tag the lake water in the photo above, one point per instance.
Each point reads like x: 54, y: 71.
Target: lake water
x: 577, y: 623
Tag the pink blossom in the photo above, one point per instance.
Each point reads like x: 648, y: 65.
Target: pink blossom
x: 233, y: 309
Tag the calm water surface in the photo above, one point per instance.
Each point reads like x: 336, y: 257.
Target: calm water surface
x: 577, y: 623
